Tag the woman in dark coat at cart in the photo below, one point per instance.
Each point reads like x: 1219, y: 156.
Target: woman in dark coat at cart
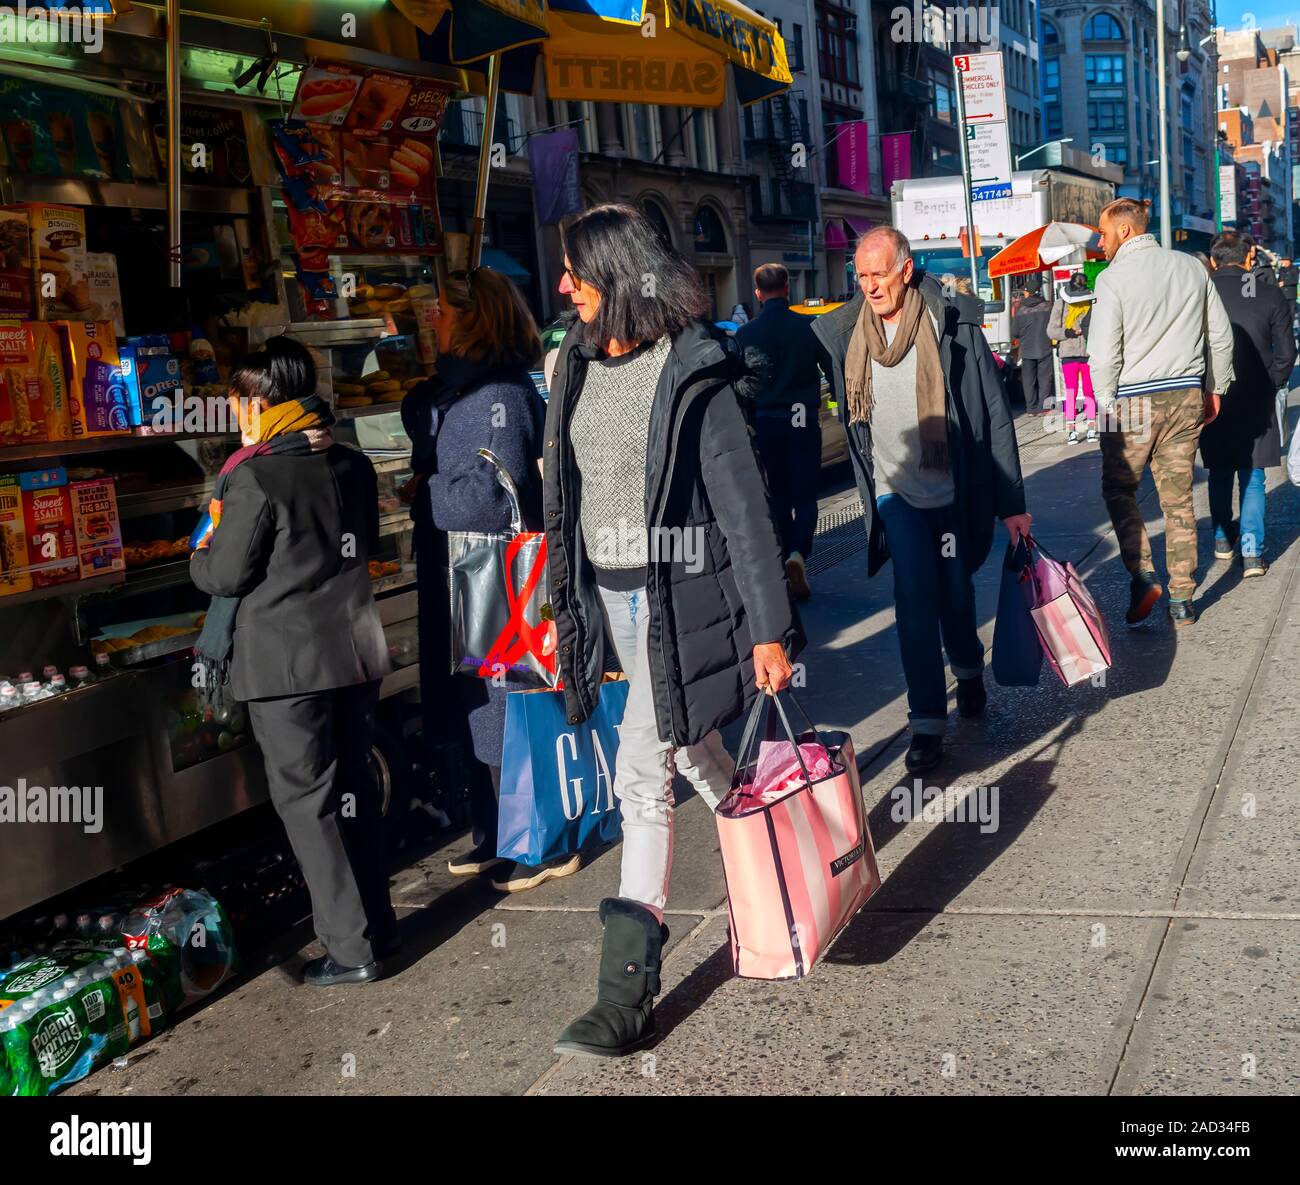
x: 1243, y: 439
x: 481, y: 398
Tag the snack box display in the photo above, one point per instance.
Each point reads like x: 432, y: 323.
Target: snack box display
x: 59, y: 247
x: 15, y: 574
x: 99, y: 530
x: 47, y: 349
x: 105, y: 290
x: 48, y: 523
x: 17, y: 267
x: 98, y: 398
x: 22, y: 412
x: 152, y: 374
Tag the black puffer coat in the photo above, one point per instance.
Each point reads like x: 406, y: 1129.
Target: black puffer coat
x: 702, y: 475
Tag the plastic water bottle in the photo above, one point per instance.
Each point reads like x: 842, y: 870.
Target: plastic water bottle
x: 49, y: 671
x: 58, y: 685
x: 80, y: 677
x: 9, y: 697
x: 103, y: 667
x: 32, y: 692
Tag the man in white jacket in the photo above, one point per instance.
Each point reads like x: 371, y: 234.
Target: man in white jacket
x: 1156, y: 318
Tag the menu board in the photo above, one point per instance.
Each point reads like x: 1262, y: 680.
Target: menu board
x: 369, y: 103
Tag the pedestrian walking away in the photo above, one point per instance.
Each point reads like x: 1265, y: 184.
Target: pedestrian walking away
x: 294, y: 618
x: 1244, y: 438
x: 481, y: 398
x: 934, y: 453
x: 784, y: 388
x: 1157, y: 317
x: 1029, y: 327
x: 658, y: 533
x: 1068, y: 329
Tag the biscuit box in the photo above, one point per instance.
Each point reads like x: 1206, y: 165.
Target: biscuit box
x: 47, y: 521
x: 17, y: 267
x: 14, y: 574
x: 98, y: 399
x: 48, y: 352
x: 62, y: 270
x: 153, y: 381
x: 99, y: 531
x: 22, y: 414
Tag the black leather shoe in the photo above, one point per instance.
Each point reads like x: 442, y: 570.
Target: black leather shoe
x: 325, y: 972
x: 1143, y: 593
x: 1182, y: 613
x: 971, y: 695
x: 924, y: 753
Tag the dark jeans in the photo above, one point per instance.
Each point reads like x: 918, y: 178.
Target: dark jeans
x: 933, y: 597
x: 1038, y: 377
x: 792, y: 459
x: 1251, y: 483
x: 317, y: 750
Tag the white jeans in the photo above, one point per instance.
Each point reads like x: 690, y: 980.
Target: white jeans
x: 643, y: 777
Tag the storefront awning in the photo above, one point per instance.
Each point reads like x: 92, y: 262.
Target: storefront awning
x: 858, y: 225
x: 836, y: 239
x: 507, y: 265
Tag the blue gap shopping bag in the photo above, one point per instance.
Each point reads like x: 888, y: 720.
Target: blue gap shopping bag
x: 1017, y: 652
x: 557, y: 778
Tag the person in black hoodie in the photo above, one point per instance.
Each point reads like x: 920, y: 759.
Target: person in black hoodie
x: 1037, y: 369
x: 481, y: 398
x: 294, y: 628
x: 658, y: 532
x: 1243, y: 439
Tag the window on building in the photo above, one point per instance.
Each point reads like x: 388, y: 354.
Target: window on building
x: 706, y: 155
x: 1054, y: 124
x: 709, y: 235
x: 796, y: 48
x: 1107, y: 115
x: 1102, y: 27
x: 645, y: 130
x: 1051, y: 34
x: 837, y: 47
x: 1103, y: 69
x: 1051, y: 76
x: 654, y: 213
x: 944, y: 103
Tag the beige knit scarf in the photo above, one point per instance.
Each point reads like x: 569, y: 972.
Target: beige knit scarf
x: 868, y: 344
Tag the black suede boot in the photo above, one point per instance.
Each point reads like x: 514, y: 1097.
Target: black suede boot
x: 623, y: 1017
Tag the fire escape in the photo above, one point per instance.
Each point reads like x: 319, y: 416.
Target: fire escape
x: 778, y: 124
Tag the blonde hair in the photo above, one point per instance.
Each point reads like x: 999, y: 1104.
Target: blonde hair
x: 1136, y: 213
x: 492, y: 320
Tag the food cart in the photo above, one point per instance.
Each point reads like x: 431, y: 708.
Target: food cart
x: 87, y: 153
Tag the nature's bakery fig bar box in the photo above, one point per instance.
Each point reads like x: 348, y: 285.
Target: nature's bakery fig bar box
x: 99, y: 533
x: 97, y: 399
x: 14, y: 574
x: 47, y: 521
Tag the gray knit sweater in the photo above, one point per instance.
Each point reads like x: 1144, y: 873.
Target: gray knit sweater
x: 610, y: 432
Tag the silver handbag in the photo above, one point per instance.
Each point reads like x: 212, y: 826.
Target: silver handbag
x: 500, y: 602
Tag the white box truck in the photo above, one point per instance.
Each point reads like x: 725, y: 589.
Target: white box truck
x: 930, y: 211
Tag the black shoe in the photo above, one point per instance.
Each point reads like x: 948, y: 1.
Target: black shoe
x: 971, y: 695
x: 325, y: 972
x: 1143, y: 594
x: 476, y: 860
x: 1253, y: 565
x: 924, y: 753
x: 1181, y: 613
x: 623, y: 1017
x: 519, y: 878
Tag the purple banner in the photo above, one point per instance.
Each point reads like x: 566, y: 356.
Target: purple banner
x: 556, y: 190
x: 853, y: 155
x: 896, y: 157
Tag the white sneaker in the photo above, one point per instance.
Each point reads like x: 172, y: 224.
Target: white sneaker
x: 1073, y: 437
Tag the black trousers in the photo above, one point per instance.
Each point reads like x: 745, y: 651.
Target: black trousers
x: 792, y: 458
x: 1038, y: 377
x: 317, y: 753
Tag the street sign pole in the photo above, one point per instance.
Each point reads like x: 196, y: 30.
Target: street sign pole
x: 965, y: 177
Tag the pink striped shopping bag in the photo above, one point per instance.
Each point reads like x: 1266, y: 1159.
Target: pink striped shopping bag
x: 1070, y: 626
x: 796, y: 852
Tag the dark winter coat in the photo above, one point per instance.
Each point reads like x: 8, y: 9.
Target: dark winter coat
x: 780, y: 350
x: 467, y: 407
x: 702, y: 482
x: 1244, y: 434
x: 1289, y: 279
x: 1029, y: 326
x: 981, y: 433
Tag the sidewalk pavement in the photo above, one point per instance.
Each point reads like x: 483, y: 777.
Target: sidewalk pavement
x: 1130, y: 926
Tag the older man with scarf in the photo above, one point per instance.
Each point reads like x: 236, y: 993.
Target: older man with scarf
x: 294, y: 629
x: 934, y: 453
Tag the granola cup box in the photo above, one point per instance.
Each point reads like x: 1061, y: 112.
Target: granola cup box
x: 99, y: 531
x: 15, y: 575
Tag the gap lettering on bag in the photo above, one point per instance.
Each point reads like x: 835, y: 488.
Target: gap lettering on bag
x: 572, y: 799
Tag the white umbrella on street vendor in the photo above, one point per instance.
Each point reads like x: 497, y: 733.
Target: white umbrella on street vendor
x: 1045, y: 246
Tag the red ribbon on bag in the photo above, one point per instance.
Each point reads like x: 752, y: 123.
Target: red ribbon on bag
x: 520, y: 636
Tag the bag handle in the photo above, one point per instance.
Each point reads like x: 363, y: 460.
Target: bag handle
x: 751, y: 728
x: 507, y: 483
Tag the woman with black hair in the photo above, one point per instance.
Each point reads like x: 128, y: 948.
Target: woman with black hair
x: 293, y: 629
x: 659, y: 533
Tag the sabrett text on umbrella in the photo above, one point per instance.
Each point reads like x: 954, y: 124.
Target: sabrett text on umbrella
x: 659, y: 75
x: 753, y: 43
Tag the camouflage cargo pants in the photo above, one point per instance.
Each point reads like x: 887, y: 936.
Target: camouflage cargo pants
x: 1160, y: 430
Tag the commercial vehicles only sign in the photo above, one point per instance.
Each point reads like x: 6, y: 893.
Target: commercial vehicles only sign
x: 983, y: 87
